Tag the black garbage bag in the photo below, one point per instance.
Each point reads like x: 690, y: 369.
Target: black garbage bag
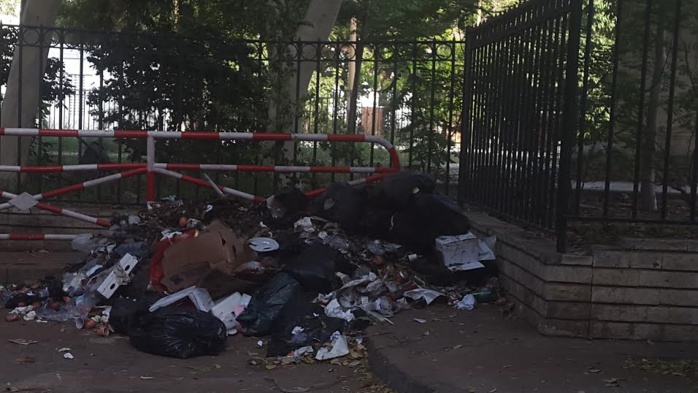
x: 395, y: 190
x: 314, y: 268
x: 434, y: 272
x: 343, y: 204
x: 427, y: 217
x: 266, y: 305
x: 376, y: 222
x: 178, y: 333
x: 289, y: 201
x: 123, y: 310
x: 445, y: 217
x: 316, y: 327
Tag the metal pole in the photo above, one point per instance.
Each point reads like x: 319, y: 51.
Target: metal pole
x: 150, y: 175
x: 465, y: 118
x: 569, y: 123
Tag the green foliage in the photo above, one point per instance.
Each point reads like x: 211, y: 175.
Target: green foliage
x: 630, y: 48
x: 405, y: 19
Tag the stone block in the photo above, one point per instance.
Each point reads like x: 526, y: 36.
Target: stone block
x: 616, y: 277
x: 654, y: 244
x: 619, y: 313
x: 567, y: 292
x: 576, y: 260
x: 567, y: 310
x: 625, y: 295
x: 522, y: 276
x: 678, y: 297
x: 661, y: 279
x: 645, y: 314
x: 572, y: 274
x: 524, y: 295
x: 521, y: 259
x: 628, y: 259
x: 680, y: 261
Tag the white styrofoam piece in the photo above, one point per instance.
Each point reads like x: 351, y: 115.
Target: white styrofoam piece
x: 119, y: 275
x: 201, y: 299
x: 199, y: 296
x: 224, y: 308
x: 461, y: 252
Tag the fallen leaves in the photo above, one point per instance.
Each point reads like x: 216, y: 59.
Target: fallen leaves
x: 611, y: 382
x: 676, y: 367
x: 22, y: 341
x: 25, y: 360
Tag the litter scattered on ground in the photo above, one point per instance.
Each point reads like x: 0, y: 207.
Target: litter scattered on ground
x: 308, y: 273
x: 468, y: 303
x: 68, y: 356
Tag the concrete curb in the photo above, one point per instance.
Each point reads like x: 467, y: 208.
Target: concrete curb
x: 391, y: 375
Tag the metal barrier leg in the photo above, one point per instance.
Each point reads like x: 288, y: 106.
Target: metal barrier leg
x: 150, y: 175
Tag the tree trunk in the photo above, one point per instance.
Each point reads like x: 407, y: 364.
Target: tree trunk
x: 33, y: 66
x: 285, y: 105
x: 320, y: 18
x: 648, y: 197
x: 356, y: 86
x: 351, y: 54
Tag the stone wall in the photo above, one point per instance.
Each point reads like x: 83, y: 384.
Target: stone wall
x: 641, y: 289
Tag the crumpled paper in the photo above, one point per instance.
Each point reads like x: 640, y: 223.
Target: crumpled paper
x: 340, y: 348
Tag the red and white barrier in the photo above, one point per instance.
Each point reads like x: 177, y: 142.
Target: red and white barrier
x: 61, y: 211
x: 152, y: 168
x: 37, y: 236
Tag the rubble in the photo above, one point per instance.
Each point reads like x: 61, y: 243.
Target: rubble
x: 179, y: 278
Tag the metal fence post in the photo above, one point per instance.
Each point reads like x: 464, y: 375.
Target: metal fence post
x: 465, y: 118
x: 569, y: 124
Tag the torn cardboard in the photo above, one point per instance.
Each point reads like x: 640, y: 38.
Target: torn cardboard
x: 216, y: 249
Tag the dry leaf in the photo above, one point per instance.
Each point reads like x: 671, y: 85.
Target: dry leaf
x: 26, y: 360
x: 611, y: 382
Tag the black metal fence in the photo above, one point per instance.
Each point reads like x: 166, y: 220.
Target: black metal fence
x: 407, y: 92
x: 575, y: 110
x: 583, y: 111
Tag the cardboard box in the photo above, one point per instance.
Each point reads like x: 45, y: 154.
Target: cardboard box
x: 460, y: 252
x: 216, y: 249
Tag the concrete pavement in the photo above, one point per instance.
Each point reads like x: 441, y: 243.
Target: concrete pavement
x: 453, y: 351
x: 482, y: 351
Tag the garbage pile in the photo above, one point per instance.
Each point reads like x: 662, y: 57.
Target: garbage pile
x: 310, y: 274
